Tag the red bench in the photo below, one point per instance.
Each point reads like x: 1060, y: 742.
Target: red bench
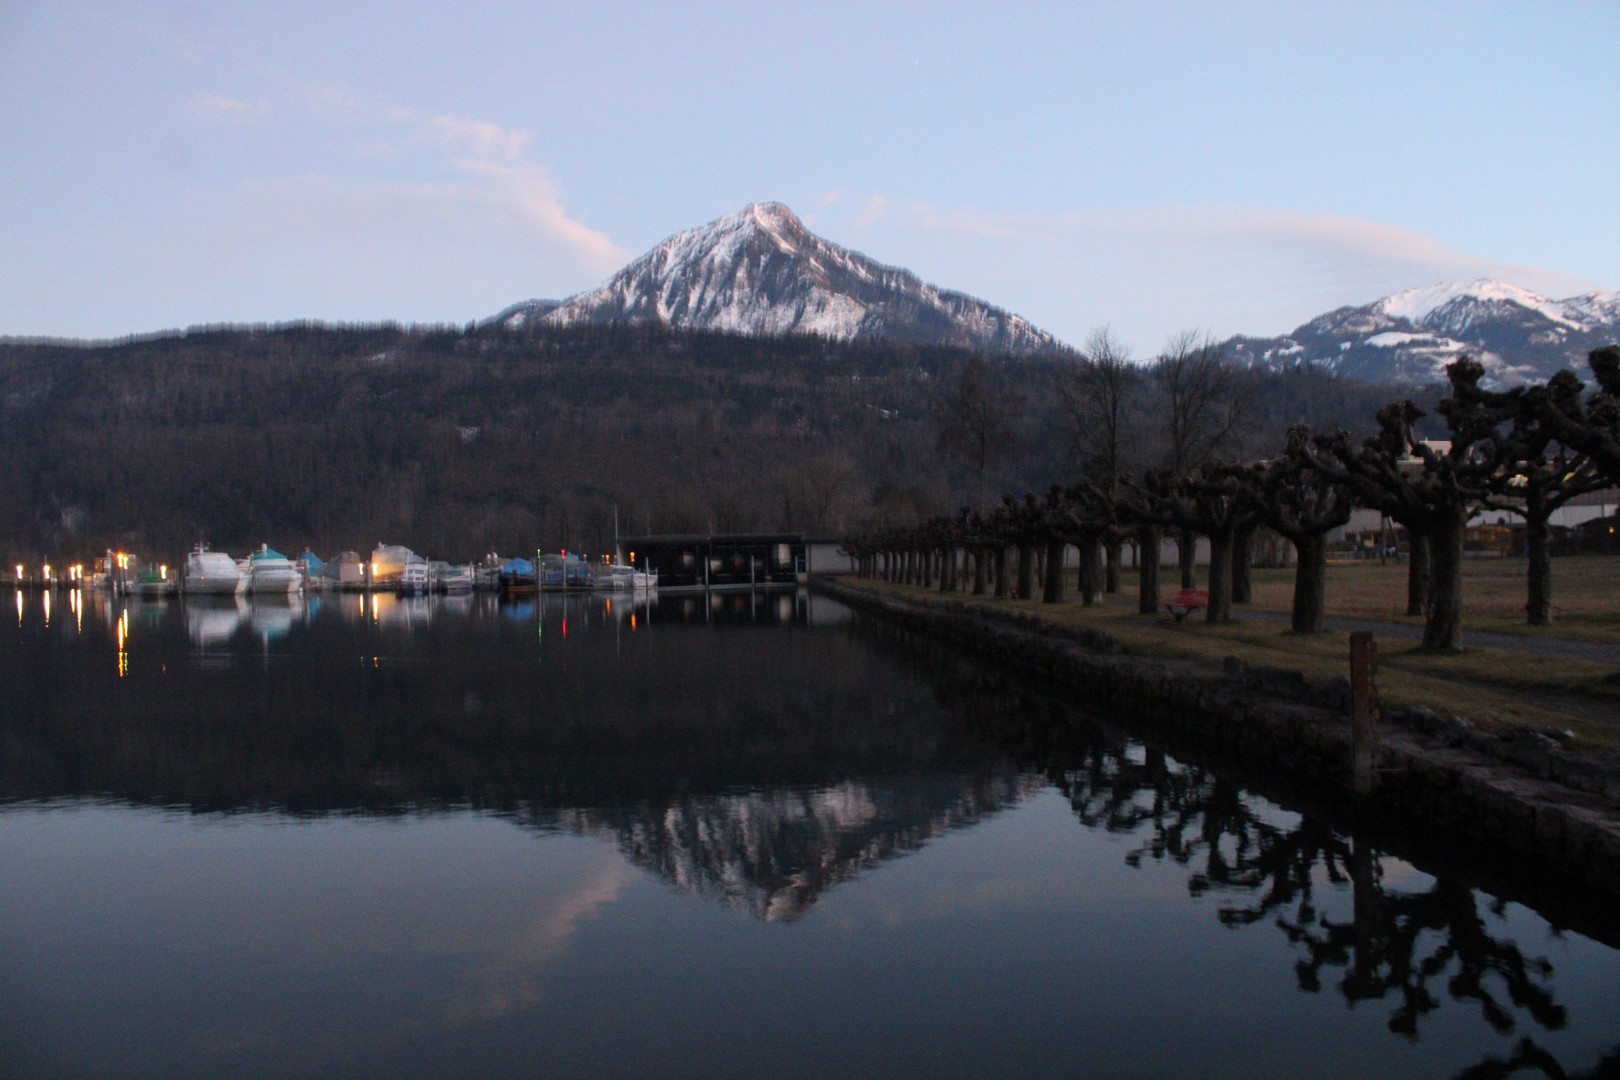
x: 1187, y: 601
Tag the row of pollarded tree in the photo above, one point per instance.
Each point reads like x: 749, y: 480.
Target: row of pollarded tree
x: 1529, y: 450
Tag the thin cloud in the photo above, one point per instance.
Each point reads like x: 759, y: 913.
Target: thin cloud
x: 220, y: 107
x: 492, y: 192
x: 1151, y: 272
x: 873, y: 210
x: 1284, y: 234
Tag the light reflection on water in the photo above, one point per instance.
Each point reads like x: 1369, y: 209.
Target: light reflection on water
x: 728, y: 837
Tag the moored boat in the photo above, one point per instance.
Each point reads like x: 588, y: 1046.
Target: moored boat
x: 212, y: 572
x: 619, y: 577
x: 388, y: 562
x: 270, y: 571
x: 518, y: 576
x: 413, y: 577
x: 347, y: 572
x: 487, y: 574
x: 563, y: 572
x: 152, y: 583
x: 456, y: 578
x: 313, y: 569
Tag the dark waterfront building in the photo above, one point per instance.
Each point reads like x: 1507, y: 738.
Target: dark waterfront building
x: 720, y: 560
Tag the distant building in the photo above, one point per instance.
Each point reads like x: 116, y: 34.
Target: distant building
x: 699, y: 561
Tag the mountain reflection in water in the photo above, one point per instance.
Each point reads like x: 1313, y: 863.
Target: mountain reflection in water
x: 734, y: 774
x: 759, y: 751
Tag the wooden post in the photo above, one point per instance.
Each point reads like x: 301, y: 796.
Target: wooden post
x: 1363, y: 710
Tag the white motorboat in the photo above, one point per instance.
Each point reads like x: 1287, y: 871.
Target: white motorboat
x: 414, y: 579
x: 272, y: 572
x: 456, y: 579
x: 618, y: 576
x: 212, y: 572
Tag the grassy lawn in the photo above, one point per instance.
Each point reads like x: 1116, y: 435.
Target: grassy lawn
x: 1494, y: 688
x: 1586, y: 595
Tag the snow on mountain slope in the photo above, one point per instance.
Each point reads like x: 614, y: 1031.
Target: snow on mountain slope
x: 525, y: 312
x: 1411, y: 336
x: 760, y: 271
x: 1417, y: 305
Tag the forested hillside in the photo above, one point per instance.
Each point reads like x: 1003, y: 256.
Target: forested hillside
x: 461, y: 441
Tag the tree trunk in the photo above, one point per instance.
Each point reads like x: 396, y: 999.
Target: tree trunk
x: 1053, y: 594
x: 1026, y: 570
x: 1417, y: 572
x: 1090, y: 570
x: 1538, y: 552
x: 979, y: 569
x: 1243, y: 565
x: 1442, y: 630
x: 1111, y: 553
x: 1149, y: 541
x: 1187, y: 555
x: 1310, y: 582
x: 1220, y: 577
x: 947, y: 570
x: 1001, y: 570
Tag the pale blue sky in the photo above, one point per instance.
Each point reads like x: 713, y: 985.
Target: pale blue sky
x: 1235, y: 167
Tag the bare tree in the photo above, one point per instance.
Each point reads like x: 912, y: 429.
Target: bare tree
x: 976, y: 422
x: 1097, y: 394
x: 1203, y: 403
x: 1304, y: 505
x: 1545, y: 473
x: 1432, y: 491
x: 1593, y: 426
x: 813, y: 492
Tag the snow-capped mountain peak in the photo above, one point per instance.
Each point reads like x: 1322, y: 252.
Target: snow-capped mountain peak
x: 761, y: 271
x: 1417, y: 305
x: 1519, y: 335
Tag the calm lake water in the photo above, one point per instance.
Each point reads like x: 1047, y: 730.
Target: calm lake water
x: 373, y: 837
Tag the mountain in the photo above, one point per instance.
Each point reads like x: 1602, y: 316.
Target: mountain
x: 761, y: 272
x: 521, y: 314
x: 1519, y: 335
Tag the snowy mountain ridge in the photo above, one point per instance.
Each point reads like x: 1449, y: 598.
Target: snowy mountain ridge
x: 761, y: 271
x: 1411, y: 336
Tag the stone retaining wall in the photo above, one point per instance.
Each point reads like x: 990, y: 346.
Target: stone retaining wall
x: 1521, y: 790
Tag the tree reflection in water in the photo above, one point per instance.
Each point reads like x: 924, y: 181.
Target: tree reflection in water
x: 1412, y: 946
x: 1409, y: 945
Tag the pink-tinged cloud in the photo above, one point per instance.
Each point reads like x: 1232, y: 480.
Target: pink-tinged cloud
x: 1152, y: 272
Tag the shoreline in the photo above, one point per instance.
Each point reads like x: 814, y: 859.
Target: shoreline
x: 1519, y: 791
